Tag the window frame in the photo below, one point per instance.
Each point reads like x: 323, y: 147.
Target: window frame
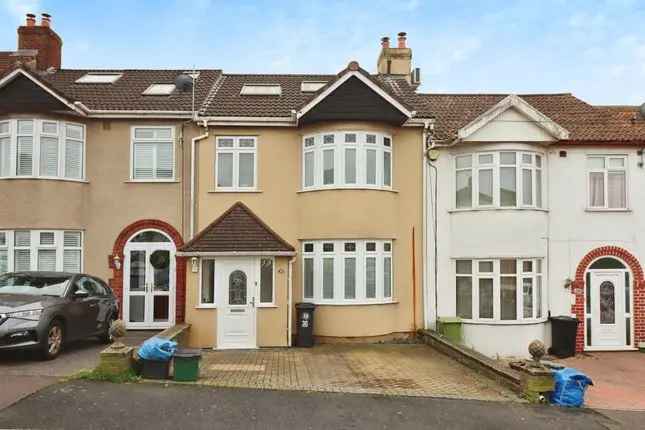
x: 606, y: 171
x: 538, y: 281
x: 35, y: 247
x: 339, y: 147
x: 496, y: 166
x: 200, y: 303
x: 260, y: 303
x: 235, y: 152
x: 134, y: 140
x: 338, y: 256
x: 37, y: 135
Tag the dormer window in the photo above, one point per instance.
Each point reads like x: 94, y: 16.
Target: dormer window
x: 261, y: 90
x: 99, y: 78
x: 159, y: 90
x: 311, y: 86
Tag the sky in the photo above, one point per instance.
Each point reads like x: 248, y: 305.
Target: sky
x: 592, y: 48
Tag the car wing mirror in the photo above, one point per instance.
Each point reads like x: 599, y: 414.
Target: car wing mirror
x: 80, y: 294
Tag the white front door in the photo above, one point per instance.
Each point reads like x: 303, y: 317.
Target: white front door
x: 608, y: 309
x: 149, y: 285
x: 235, y: 280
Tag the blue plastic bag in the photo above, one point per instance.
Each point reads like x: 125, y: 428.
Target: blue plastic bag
x: 570, y: 387
x: 158, y: 349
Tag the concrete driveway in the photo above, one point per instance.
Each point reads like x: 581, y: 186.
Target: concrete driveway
x: 618, y: 377
x: 23, y: 373
x: 395, y: 370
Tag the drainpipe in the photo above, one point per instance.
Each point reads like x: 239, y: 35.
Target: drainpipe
x: 424, y: 210
x: 289, y: 300
x: 192, y: 177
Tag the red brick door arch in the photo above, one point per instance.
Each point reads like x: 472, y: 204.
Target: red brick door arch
x: 180, y: 267
x: 638, y: 291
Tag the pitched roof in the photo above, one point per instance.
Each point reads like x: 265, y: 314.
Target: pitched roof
x: 585, y: 123
x: 126, y: 93
x: 226, y: 100
x: 238, y: 230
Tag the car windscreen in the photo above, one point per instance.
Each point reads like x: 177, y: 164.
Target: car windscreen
x: 15, y: 283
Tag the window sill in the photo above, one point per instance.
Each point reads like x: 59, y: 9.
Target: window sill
x: 390, y: 190
x: 500, y: 322
x: 627, y: 210
x: 390, y: 302
x: 206, y: 307
x: 497, y: 209
x: 267, y: 305
x: 235, y: 191
x: 151, y: 181
x: 45, y: 178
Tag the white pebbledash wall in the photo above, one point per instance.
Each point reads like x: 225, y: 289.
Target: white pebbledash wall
x: 562, y: 233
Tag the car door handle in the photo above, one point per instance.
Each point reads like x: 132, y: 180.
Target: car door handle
x: 93, y: 305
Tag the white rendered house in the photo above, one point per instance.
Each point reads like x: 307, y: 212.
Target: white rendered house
x: 535, y: 209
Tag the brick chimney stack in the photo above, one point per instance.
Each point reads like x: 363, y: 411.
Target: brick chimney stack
x: 42, y: 39
x: 395, y: 61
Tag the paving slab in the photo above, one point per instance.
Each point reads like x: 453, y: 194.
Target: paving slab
x: 398, y: 370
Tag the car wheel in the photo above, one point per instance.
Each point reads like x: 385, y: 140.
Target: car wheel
x: 53, y: 343
x: 106, y: 337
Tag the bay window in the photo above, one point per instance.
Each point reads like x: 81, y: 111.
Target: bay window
x: 36, y: 148
x: 347, y: 160
x: 491, y: 179
x: 507, y: 289
x: 607, y: 181
x: 44, y: 250
x: 236, y: 163
x: 153, y: 154
x: 347, y: 271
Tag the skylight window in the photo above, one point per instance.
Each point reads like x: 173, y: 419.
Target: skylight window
x: 311, y: 86
x: 159, y: 90
x: 99, y: 78
x: 261, y: 90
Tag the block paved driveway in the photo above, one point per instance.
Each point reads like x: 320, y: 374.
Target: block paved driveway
x: 618, y: 377
x: 399, y: 370
x: 23, y: 373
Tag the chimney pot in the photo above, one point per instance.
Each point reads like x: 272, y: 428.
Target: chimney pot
x: 45, y: 20
x: 401, y: 39
x: 385, y: 42
x: 31, y: 20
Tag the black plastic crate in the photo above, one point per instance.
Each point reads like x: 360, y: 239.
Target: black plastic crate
x: 154, y: 369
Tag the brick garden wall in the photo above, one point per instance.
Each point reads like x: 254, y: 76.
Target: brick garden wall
x: 116, y: 283
x: 578, y: 288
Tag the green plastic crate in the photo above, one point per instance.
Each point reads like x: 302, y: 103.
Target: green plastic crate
x: 450, y: 327
x: 187, y: 365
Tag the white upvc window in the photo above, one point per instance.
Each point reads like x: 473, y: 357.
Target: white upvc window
x: 44, y: 250
x: 499, y: 290
x: 236, y: 163
x: 152, y: 154
x: 499, y: 179
x: 347, y: 271
x: 607, y: 181
x: 267, y: 282
x: 347, y: 159
x: 207, y: 285
x: 42, y: 148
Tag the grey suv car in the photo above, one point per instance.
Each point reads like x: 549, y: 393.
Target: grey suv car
x: 43, y: 310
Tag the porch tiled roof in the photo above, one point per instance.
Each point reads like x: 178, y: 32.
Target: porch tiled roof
x: 585, y: 123
x: 237, y: 230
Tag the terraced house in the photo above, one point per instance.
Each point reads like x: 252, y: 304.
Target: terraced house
x: 223, y: 199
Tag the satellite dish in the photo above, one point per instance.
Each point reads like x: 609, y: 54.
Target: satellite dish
x: 184, y: 82
x: 642, y: 110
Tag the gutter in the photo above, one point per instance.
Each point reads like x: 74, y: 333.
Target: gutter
x: 236, y: 253
x: 193, y: 145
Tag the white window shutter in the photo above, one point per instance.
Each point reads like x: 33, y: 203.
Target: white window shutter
x: 25, y: 156
x: 164, y: 160
x: 49, y: 156
x: 73, y: 159
x: 4, y: 261
x: 72, y: 260
x: 72, y: 239
x: 47, y: 259
x: 5, y: 156
x: 143, y: 161
x: 22, y: 238
x: 22, y: 260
